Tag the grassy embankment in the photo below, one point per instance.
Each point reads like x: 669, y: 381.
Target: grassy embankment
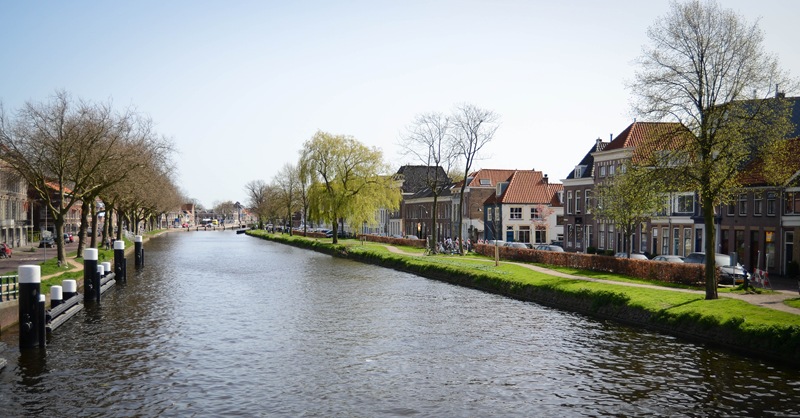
x: 728, y: 322
x: 52, y: 274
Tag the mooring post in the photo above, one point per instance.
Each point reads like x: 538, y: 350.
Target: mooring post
x: 138, y: 252
x: 89, y: 271
x: 119, y: 261
x: 41, y: 321
x: 106, y: 268
x: 56, y: 296
x: 69, y: 288
x: 30, y: 278
x: 98, y: 278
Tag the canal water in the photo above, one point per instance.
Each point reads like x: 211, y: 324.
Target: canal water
x: 219, y: 324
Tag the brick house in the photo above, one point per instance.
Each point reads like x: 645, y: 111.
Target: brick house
x: 525, y: 207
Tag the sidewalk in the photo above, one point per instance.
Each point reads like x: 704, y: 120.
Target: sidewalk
x: 783, y: 289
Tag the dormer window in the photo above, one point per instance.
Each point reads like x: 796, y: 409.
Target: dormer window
x: 579, y: 170
x: 485, y: 182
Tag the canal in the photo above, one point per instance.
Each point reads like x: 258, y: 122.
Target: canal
x: 219, y: 324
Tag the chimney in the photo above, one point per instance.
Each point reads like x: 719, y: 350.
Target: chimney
x: 545, y: 178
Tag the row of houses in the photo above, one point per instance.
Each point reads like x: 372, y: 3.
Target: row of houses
x: 761, y: 225
x: 24, y: 218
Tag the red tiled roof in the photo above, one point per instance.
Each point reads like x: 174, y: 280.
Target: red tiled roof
x: 754, y: 174
x: 530, y: 186
x: 494, y: 176
x: 54, y: 186
x: 649, y: 134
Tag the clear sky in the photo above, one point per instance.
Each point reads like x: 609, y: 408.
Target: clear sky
x: 239, y: 85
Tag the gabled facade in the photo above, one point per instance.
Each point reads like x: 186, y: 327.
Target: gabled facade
x: 675, y: 230
x: 417, y: 211
x: 480, y: 186
x: 413, y: 179
x: 525, y: 208
x: 578, y: 218
x: 761, y: 224
x: 14, y: 208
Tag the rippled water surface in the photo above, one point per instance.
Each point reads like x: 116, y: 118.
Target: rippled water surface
x: 219, y: 324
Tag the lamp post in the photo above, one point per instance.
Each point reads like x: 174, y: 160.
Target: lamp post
x: 496, y: 249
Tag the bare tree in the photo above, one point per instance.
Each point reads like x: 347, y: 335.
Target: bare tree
x: 257, y: 193
x: 706, y: 68
x: 286, y: 183
x: 473, y: 128
x: 61, y: 148
x: 427, y: 141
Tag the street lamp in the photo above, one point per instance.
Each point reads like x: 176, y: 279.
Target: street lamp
x: 494, y: 229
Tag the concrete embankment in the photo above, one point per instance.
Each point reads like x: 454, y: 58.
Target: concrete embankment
x: 612, y: 305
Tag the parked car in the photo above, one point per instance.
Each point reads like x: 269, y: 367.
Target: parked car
x: 47, y: 242
x: 516, y: 245
x: 68, y: 238
x: 547, y: 247
x: 634, y: 256
x: 669, y: 258
x: 728, y: 273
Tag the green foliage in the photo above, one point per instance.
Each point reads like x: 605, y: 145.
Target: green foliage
x: 348, y: 180
x: 628, y: 199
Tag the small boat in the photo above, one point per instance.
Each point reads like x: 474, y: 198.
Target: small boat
x: 241, y: 231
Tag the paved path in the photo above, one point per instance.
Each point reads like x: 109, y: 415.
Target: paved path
x: 770, y: 300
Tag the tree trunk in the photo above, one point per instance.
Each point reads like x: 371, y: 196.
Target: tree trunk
x: 710, y: 248
x: 82, y: 228
x: 93, y: 241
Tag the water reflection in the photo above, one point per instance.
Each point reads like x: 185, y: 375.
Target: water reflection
x: 223, y: 324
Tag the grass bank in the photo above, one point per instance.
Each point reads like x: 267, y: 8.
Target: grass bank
x: 730, y: 323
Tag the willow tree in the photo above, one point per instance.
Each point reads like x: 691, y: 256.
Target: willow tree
x: 705, y: 67
x: 350, y: 181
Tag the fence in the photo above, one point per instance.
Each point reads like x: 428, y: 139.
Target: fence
x: 9, y: 288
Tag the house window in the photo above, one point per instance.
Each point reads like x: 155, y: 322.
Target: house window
x: 578, y: 236
x: 611, y: 237
x: 570, y: 235
x: 771, y: 196
x: 577, y: 201
x: 758, y: 203
x: 601, y: 233
x: 588, y: 201
x: 742, y: 204
x: 541, y: 235
x: 524, y: 234
x: 664, y: 209
x: 569, y: 202
x: 515, y: 213
x: 687, y: 241
x: 602, y: 171
x: 676, y: 239
x: 792, y: 203
x: 589, y: 236
x: 535, y: 213
x: 485, y: 182
x: 643, y: 239
x: 611, y: 170
x: 684, y: 203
